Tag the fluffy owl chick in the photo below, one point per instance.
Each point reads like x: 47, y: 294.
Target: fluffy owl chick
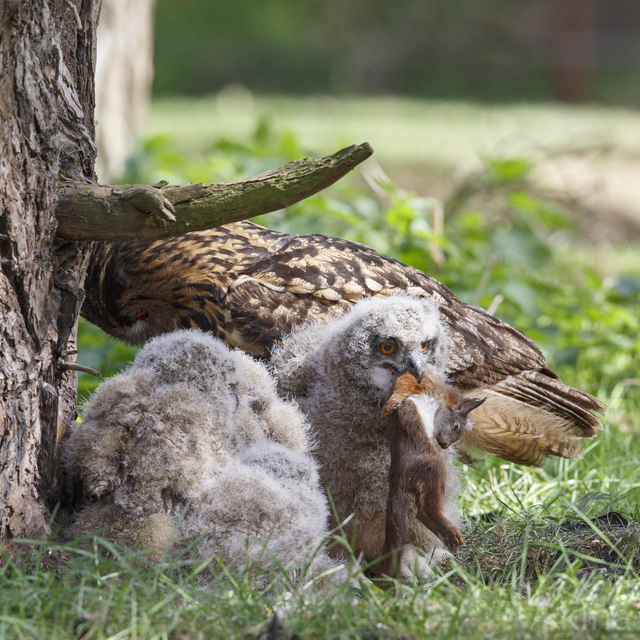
x: 193, y: 443
x: 341, y: 374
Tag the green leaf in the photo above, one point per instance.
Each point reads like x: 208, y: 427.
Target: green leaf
x: 507, y: 171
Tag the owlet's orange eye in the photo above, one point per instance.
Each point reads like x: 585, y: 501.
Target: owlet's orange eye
x: 141, y: 314
x: 425, y: 345
x: 387, y: 348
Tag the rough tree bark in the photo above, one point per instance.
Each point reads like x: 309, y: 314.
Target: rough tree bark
x: 47, y: 58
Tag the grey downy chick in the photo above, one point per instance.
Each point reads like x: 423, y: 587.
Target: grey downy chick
x: 192, y: 443
x: 341, y: 374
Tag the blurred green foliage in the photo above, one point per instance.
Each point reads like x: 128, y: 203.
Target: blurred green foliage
x: 492, y: 50
x: 504, y: 248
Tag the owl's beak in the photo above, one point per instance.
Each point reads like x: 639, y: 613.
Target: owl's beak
x: 413, y: 365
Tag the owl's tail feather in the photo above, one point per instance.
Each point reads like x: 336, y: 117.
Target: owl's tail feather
x: 531, y: 416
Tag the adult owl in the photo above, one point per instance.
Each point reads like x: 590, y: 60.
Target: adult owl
x: 250, y: 286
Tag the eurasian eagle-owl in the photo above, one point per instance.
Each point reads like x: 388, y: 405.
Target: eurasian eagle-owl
x: 341, y: 374
x: 192, y: 443
x: 250, y: 286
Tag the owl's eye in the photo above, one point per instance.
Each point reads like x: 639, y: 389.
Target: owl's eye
x: 387, y: 348
x: 425, y: 345
x: 141, y: 314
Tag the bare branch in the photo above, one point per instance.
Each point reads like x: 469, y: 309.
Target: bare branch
x: 145, y: 212
x: 74, y: 366
x: 76, y: 15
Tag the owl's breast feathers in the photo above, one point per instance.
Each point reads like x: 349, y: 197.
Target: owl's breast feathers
x: 250, y: 285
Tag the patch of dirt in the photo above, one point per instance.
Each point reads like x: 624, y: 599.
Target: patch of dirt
x: 604, y: 546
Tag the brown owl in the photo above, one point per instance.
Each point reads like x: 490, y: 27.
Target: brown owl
x: 250, y: 286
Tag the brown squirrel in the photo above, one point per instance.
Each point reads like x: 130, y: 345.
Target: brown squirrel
x: 422, y: 413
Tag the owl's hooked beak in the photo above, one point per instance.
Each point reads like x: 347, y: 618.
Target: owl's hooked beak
x: 413, y: 366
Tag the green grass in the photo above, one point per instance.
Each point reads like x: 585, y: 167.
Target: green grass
x: 538, y: 563
x: 552, y: 552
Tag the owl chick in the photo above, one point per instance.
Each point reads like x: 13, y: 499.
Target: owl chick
x: 341, y: 374
x: 192, y: 443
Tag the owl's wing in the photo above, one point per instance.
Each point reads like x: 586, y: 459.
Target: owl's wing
x: 530, y: 413
x: 262, y: 313
x: 530, y: 416
x: 312, y: 274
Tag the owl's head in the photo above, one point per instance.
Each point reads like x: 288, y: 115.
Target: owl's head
x: 192, y: 358
x: 383, y: 337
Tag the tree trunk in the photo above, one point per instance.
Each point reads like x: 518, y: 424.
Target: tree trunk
x: 124, y: 72
x: 47, y: 58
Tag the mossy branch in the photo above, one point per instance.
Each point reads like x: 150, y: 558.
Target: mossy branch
x: 150, y: 212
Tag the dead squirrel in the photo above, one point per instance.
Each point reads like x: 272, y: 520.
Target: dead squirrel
x: 424, y: 413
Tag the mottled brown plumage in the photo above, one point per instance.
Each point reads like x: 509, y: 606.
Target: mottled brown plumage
x: 250, y: 285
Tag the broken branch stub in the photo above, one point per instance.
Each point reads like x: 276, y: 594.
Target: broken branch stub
x: 144, y: 212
